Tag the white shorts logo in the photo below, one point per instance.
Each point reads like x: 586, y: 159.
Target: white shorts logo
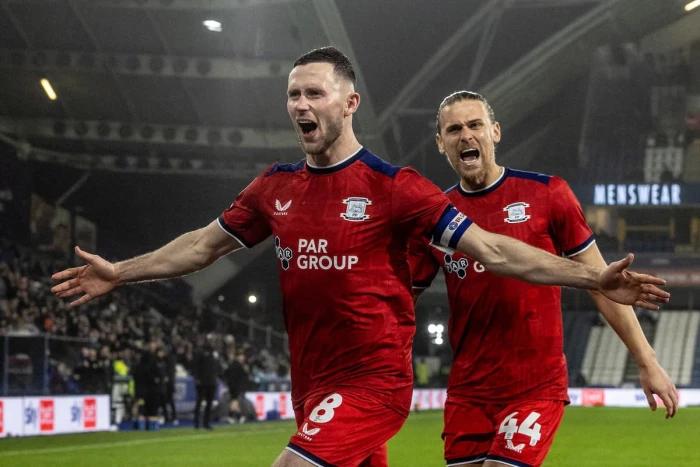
x: 309, y: 431
x: 355, y: 210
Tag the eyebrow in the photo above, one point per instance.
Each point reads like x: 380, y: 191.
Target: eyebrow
x: 469, y: 122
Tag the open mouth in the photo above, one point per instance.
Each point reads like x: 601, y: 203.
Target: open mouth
x: 307, y: 126
x: 469, y: 155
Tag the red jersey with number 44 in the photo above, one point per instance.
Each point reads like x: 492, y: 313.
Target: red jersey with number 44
x: 506, y: 334
x: 341, y: 238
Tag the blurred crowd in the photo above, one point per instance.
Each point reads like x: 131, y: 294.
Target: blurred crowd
x: 132, y: 335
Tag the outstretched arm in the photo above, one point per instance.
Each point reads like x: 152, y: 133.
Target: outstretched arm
x: 187, y: 253
x: 652, y: 376
x: 509, y: 257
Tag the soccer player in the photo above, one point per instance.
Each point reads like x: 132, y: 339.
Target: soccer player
x: 340, y: 221
x: 508, y: 383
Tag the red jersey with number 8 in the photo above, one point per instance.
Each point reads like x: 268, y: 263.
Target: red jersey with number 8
x: 341, y: 239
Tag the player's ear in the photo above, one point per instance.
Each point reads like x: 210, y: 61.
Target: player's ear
x: 496, y: 132
x: 352, y: 102
x: 439, y: 143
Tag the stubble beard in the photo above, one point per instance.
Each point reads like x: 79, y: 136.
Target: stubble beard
x: 475, y: 179
x: 334, y: 129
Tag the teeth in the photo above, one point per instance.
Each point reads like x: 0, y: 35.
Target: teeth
x: 307, y: 126
x: 469, y: 155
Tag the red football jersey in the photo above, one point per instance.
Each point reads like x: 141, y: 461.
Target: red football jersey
x: 507, y: 334
x: 341, y: 236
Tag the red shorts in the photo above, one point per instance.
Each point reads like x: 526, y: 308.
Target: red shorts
x: 349, y: 427
x: 518, y: 434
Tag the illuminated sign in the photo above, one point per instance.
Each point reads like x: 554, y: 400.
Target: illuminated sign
x: 652, y: 194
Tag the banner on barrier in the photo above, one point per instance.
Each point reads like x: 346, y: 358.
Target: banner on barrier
x: 278, y: 405
x: 26, y: 416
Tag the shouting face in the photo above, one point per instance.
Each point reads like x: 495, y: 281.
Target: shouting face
x: 468, y: 139
x: 318, y: 102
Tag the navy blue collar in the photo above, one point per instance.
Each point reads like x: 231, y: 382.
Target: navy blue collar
x: 485, y: 190
x: 340, y: 165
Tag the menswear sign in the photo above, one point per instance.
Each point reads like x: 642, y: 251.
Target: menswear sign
x: 653, y: 194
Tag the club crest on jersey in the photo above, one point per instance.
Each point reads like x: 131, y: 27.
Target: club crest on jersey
x: 281, y: 209
x: 517, y: 212
x: 355, y: 210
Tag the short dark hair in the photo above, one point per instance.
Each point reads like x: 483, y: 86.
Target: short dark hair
x: 463, y: 96
x: 341, y: 63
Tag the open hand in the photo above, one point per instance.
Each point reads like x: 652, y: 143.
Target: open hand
x: 632, y: 288
x: 96, y: 278
x: 655, y: 381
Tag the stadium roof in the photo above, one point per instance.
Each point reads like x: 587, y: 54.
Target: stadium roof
x: 146, y: 90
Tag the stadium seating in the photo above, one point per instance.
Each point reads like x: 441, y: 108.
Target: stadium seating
x: 676, y: 337
x: 695, y: 378
x: 648, y: 321
x: 577, y: 329
x: 605, y: 358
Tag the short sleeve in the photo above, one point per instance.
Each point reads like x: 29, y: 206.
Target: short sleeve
x: 244, y: 220
x: 567, y: 222
x: 422, y: 263
x: 420, y: 207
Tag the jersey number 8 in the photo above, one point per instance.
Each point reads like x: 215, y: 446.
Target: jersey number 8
x: 324, y: 412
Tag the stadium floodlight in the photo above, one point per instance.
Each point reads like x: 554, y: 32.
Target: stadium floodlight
x: 252, y: 299
x: 435, y: 330
x: 48, y: 89
x: 212, y: 25
x: 692, y: 5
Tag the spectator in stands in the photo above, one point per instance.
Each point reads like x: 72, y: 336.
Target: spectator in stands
x: 147, y: 379
x: 421, y: 372
x: 104, y: 370
x: 112, y: 326
x: 206, y: 369
x: 236, y: 377
x: 166, y: 364
x: 4, y: 288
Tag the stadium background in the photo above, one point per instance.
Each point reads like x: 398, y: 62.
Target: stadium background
x: 161, y: 118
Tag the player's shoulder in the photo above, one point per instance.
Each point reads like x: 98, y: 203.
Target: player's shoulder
x: 378, y: 165
x: 526, y: 175
x: 280, y: 168
x: 553, y: 182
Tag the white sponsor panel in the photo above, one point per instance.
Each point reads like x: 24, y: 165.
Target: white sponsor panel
x: 434, y: 399
x: 689, y: 397
x: 575, y: 396
x: 626, y: 397
x: 10, y: 416
x: 438, y: 398
x: 271, y: 402
x: 26, y: 416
